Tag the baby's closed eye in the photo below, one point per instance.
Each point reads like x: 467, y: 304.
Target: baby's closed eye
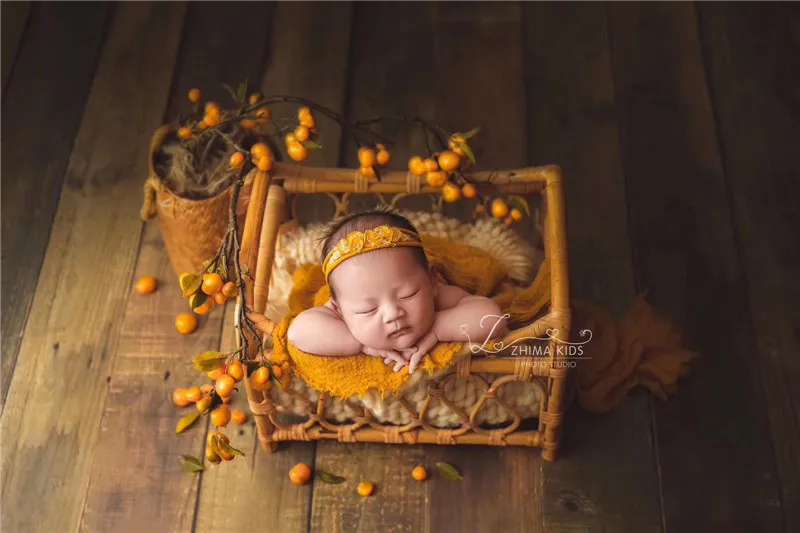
x: 409, y: 295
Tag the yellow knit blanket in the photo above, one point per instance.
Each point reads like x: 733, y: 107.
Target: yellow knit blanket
x: 643, y: 349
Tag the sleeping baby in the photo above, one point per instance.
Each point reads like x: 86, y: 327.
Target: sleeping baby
x: 385, y: 299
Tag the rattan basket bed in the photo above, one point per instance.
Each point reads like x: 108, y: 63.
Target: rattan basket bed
x: 300, y: 412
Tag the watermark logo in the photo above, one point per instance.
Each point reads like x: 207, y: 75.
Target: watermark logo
x: 573, y: 350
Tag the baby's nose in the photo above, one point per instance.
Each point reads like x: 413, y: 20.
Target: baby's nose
x: 393, y: 313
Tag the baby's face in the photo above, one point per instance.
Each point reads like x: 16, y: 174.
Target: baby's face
x: 385, y: 297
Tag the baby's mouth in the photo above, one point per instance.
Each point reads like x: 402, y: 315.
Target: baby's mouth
x: 399, y: 332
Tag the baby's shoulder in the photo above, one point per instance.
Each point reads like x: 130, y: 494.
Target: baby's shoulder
x: 327, y: 308
x: 448, y: 296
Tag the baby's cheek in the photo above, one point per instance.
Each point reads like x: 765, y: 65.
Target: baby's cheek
x: 430, y: 311
x: 368, y: 334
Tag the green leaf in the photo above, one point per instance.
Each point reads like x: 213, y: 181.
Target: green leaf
x: 208, y: 361
x: 448, y: 471
x: 327, y: 477
x: 470, y: 134
x: 467, y: 150
x: 191, y: 464
x: 209, y: 365
x: 311, y: 145
x: 190, y: 284
x: 241, y: 92
x: 227, y: 448
x: 522, y: 202
x: 208, y: 355
x: 197, y: 299
x: 186, y: 422
x: 230, y: 91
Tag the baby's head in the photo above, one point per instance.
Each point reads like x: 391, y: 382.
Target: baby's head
x: 385, y: 296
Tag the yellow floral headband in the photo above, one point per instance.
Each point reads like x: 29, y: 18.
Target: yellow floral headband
x: 373, y: 239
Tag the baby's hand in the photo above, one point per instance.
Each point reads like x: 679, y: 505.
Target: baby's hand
x: 424, y: 345
x: 388, y: 356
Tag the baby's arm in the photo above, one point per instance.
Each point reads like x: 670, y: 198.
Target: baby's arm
x: 321, y: 331
x: 460, y: 309
x: 457, y: 308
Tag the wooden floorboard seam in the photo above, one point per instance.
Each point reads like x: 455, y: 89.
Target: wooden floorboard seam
x: 656, y: 459
x: 20, y: 43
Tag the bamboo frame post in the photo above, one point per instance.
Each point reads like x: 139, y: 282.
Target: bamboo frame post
x: 252, y: 230
x: 560, y: 312
x: 248, y: 255
x: 273, y: 217
x: 274, y: 212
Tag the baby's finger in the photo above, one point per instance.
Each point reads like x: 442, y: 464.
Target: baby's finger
x: 394, y: 356
x: 399, y: 365
x: 415, y: 359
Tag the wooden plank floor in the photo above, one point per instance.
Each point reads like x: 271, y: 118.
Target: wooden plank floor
x: 674, y: 124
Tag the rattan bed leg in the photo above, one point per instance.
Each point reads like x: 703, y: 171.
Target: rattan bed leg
x: 551, y: 418
x: 264, y: 427
x: 260, y: 406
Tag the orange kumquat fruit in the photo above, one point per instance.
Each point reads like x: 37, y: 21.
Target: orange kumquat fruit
x: 365, y: 488
x: 212, y: 283
x: 185, y: 323
x: 238, y: 417
x: 179, y: 398
x: 225, y: 385
x: 193, y: 394
x: 236, y: 370
x: 221, y: 416
x: 146, y: 285
x: 300, y: 474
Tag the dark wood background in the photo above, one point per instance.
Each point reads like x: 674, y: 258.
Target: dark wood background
x: 674, y: 123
